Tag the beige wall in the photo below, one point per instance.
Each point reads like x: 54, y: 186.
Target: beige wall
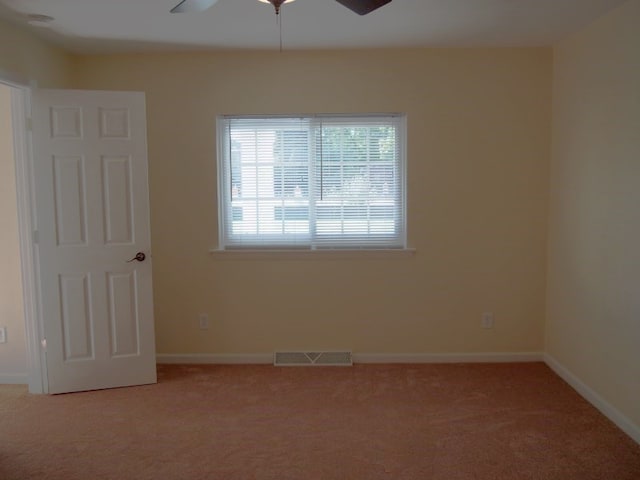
x: 478, y: 130
x: 593, y: 325
x: 13, y: 356
x: 23, y: 55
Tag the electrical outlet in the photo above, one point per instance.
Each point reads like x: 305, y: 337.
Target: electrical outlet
x: 487, y: 320
x: 3, y: 334
x: 203, y: 321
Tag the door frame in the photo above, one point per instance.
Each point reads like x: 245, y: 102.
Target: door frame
x: 27, y: 229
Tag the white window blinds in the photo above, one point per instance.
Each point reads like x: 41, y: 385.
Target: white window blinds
x: 312, y: 182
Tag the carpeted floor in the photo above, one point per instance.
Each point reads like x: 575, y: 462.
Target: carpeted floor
x: 453, y: 422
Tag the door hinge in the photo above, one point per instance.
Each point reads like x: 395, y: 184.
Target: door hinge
x: 36, y: 236
x: 29, y: 124
x: 43, y: 343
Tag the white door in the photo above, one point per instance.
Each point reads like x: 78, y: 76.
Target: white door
x: 92, y: 210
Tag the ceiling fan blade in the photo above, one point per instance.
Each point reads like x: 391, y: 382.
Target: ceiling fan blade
x: 362, y: 7
x: 192, y: 6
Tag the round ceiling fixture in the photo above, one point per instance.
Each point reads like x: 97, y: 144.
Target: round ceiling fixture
x: 39, y: 20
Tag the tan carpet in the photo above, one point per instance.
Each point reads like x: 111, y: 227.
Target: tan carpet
x: 453, y: 422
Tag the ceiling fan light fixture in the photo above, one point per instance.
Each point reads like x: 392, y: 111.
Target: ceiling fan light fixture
x: 277, y: 3
x: 269, y: 1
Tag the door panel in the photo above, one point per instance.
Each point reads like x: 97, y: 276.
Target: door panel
x: 90, y: 170
x: 70, y: 205
x: 76, y: 319
x: 118, y: 205
x: 123, y: 315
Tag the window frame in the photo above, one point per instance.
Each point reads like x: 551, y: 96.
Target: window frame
x: 225, y: 193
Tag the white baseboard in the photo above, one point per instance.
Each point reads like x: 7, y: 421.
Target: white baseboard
x: 447, y: 357
x: 608, y: 410
x: 215, y: 359
x: 267, y: 358
x: 13, y: 379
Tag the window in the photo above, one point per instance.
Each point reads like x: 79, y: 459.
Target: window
x: 312, y: 182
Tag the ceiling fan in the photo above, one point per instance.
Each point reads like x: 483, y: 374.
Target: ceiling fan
x: 361, y: 7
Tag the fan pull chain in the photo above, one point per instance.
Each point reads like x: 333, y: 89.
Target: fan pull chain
x: 280, y: 24
x: 276, y: 5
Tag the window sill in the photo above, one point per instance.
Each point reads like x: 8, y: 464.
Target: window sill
x: 303, y: 254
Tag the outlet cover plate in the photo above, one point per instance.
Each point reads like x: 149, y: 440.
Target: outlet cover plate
x: 203, y: 321
x: 3, y: 334
x: 487, y: 320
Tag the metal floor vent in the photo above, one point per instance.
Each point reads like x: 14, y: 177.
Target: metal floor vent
x: 298, y: 359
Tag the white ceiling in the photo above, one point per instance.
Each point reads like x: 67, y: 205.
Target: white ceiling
x: 95, y: 26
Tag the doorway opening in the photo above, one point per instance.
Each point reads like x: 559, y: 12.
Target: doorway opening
x: 22, y: 358
x: 89, y: 197
x: 13, y: 354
